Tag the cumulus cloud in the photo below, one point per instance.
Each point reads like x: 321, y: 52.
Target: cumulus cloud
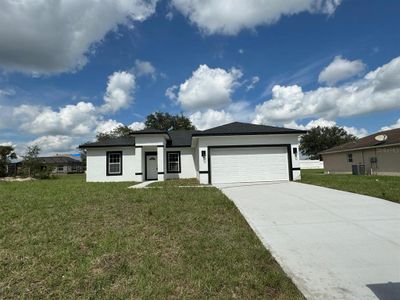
x: 379, y: 90
x: 137, y: 126
x: 207, y: 88
x: 76, y: 119
x: 231, y: 16
x: 210, y: 118
x: 393, y: 126
x: 107, y: 126
x: 119, y: 93
x: 358, y: 132
x: 341, y: 69
x: 57, y: 36
x: 55, y: 143
x: 171, y: 92
x: 79, y: 122
x: 145, y: 68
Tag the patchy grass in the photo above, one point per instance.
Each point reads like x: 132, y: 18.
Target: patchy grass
x: 385, y: 187
x: 176, y: 182
x: 69, y: 239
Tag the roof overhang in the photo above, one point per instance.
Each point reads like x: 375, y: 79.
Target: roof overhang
x: 360, y: 148
x: 248, y: 133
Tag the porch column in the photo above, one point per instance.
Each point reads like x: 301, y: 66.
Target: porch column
x: 139, y: 171
x: 160, y: 162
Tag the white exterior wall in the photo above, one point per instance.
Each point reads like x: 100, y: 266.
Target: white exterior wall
x: 97, y: 165
x: 275, y: 139
x: 311, y: 164
x: 188, y: 168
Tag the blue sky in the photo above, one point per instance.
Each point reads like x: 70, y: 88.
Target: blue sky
x: 296, y: 65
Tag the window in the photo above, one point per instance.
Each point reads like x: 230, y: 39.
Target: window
x: 114, y: 163
x: 350, y: 158
x: 60, y: 168
x: 174, y: 162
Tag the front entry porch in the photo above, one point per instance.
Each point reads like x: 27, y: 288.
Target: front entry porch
x: 151, y: 162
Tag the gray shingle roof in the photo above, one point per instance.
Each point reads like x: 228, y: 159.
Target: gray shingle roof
x: 150, y: 131
x: 238, y: 128
x: 393, y: 137
x: 120, y: 141
x: 58, y: 160
x: 180, y: 138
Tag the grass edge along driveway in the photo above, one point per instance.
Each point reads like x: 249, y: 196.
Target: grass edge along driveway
x: 385, y: 187
x: 66, y: 238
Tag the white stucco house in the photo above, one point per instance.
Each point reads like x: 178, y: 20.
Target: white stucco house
x: 235, y: 152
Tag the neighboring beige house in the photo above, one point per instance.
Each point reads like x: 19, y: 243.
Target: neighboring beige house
x: 376, y: 154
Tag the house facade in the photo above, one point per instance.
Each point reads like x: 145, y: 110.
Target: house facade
x: 376, y: 154
x: 235, y: 152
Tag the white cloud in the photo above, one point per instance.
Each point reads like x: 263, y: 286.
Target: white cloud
x: 107, y: 126
x: 137, y: 126
x: 208, y: 88
x: 171, y: 92
x: 119, y: 93
x: 79, y: 119
x: 9, y: 143
x: 55, y: 144
x: 210, y: 118
x: 341, y: 69
x: 358, y: 132
x: 145, y: 68
x: 393, y: 126
x: 231, y: 16
x: 254, y: 80
x: 379, y: 90
x: 51, y: 37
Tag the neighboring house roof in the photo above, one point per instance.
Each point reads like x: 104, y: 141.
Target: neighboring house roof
x: 180, y: 138
x: 118, y: 142
x: 238, y: 128
x: 58, y: 160
x: 183, y: 138
x: 392, y: 138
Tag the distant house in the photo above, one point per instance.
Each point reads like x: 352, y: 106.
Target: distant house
x: 62, y: 164
x: 377, y: 154
x: 12, y: 168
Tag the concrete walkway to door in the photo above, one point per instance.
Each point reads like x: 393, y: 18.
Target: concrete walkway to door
x: 333, y: 244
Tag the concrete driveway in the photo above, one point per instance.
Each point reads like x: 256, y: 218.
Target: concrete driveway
x: 334, y: 244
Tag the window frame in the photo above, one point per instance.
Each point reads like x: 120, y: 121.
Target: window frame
x: 349, y: 157
x: 108, y: 154
x: 179, y: 162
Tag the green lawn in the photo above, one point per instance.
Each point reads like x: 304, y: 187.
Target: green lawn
x: 385, y: 187
x: 176, y: 182
x: 65, y: 238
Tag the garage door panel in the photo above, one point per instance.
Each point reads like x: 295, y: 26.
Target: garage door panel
x: 248, y: 164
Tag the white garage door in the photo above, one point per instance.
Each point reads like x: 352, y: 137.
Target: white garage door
x: 244, y: 164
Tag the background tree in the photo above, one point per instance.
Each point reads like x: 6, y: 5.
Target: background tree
x: 157, y: 120
x: 6, y: 155
x: 165, y: 121
x: 119, y: 131
x: 31, y: 164
x: 319, y: 139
